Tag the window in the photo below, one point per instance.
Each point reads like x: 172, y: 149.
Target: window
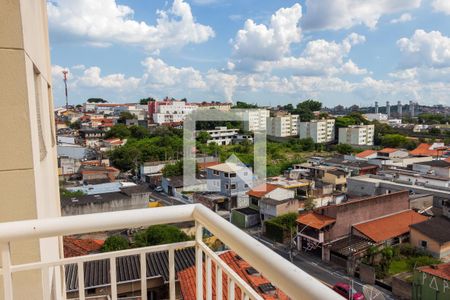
x: 423, y: 244
x: 227, y: 186
x: 254, y: 201
x: 233, y: 175
x: 215, y: 172
x: 233, y: 186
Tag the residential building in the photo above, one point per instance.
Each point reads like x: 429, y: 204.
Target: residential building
x: 28, y: 166
x: 328, y: 229
x: 358, y: 135
x: 435, y: 150
x: 222, y: 106
x: 366, y: 154
x: 255, y: 119
x: 153, y: 169
x: 377, y: 117
x: 282, y: 125
x: 371, y: 185
x: 391, y: 229
x: 232, y: 180
x: 90, y: 137
x: 222, y: 135
x: 132, y: 197
x: 169, y: 111
x: 433, y: 237
x: 431, y: 282
x: 440, y: 168
x: 321, y: 131
x: 392, y: 153
x: 337, y: 178
x: 217, y: 202
x: 272, y: 200
x: 98, y: 174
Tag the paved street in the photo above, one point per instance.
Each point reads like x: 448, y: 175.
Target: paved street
x: 327, y: 273
x: 165, y: 199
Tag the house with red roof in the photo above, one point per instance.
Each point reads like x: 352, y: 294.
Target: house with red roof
x: 434, y: 150
x: 329, y: 231
x: 367, y: 154
x: 244, y: 270
x: 78, y: 247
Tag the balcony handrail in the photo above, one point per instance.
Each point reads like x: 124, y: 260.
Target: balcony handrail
x: 296, y: 283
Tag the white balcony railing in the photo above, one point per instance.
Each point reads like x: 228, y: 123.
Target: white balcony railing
x: 284, y: 275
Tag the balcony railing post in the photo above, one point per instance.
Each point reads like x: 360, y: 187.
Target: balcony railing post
x: 6, y: 269
x: 143, y: 266
x: 172, y: 288
x: 80, y: 266
x: 218, y: 282
x: 199, y: 260
x: 113, y: 275
x: 208, y: 278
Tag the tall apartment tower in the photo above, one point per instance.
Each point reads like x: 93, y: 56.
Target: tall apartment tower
x: 388, y: 109
x: 411, y: 108
x: 376, y: 107
x: 399, y: 109
x: 28, y: 169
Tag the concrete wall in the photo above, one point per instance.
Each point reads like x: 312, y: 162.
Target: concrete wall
x: 362, y: 210
x: 28, y: 166
x: 135, y: 202
x: 401, y: 288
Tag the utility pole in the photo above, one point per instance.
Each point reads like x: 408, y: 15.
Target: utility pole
x: 65, y: 72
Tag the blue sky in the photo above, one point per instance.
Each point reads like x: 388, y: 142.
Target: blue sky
x: 267, y: 52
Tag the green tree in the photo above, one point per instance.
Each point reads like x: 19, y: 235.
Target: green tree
x: 96, y: 100
x: 173, y: 169
x: 120, y: 131
x: 75, y: 125
x: 203, y: 137
x: 344, y: 149
x: 145, y: 101
x: 434, y: 131
x: 115, y: 243
x: 244, y: 105
x: 309, y: 204
x: 393, y: 140
x: 65, y: 193
x: 159, y: 235
x: 310, y: 104
x: 138, y: 132
x: 124, y: 116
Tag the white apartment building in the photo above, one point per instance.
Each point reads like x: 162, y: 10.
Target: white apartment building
x: 321, y: 131
x: 222, y: 135
x: 283, y: 125
x: 359, y: 135
x: 171, y: 111
x: 222, y: 106
x: 257, y: 119
x: 378, y: 117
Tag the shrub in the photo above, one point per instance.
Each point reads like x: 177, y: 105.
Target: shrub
x: 115, y: 243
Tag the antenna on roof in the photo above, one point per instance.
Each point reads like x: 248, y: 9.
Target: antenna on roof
x: 65, y: 72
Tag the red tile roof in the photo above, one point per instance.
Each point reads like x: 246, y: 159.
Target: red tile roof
x: 78, y: 247
x: 262, y: 190
x: 188, y: 286
x: 204, y: 165
x: 365, y: 153
x: 388, y: 150
x: 424, y: 150
x: 389, y: 227
x: 441, y: 270
x: 315, y: 220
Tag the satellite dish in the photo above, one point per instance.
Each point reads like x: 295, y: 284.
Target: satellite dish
x: 371, y: 293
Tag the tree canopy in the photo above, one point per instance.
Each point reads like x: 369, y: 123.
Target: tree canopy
x: 96, y: 100
x: 145, y: 101
x: 159, y: 235
x: 115, y: 243
x: 244, y: 105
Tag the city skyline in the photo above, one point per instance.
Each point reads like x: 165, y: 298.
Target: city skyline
x: 270, y: 52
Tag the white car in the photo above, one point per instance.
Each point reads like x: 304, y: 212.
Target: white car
x: 159, y: 189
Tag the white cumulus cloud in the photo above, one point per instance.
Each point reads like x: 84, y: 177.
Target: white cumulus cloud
x: 258, y: 42
x: 441, y: 6
x: 406, y: 17
x: 344, y: 14
x: 104, y: 22
x: 425, y: 49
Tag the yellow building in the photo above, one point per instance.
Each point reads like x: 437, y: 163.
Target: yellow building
x: 28, y: 167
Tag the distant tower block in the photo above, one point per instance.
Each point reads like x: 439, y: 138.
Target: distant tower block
x: 411, y: 108
x: 376, y: 107
x: 388, y: 109
x: 399, y: 108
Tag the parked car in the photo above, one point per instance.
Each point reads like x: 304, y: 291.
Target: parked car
x: 344, y: 290
x: 158, y: 189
